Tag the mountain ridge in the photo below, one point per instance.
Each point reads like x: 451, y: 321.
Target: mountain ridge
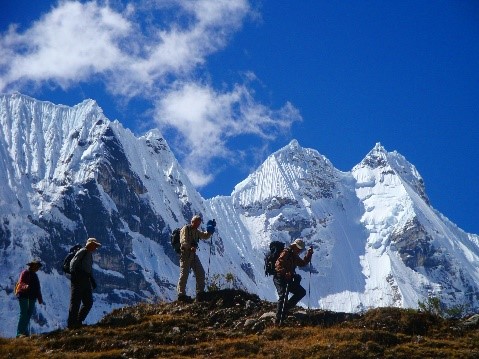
x: 377, y: 240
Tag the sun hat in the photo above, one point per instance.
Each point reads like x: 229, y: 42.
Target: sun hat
x: 35, y: 262
x: 94, y: 241
x: 298, y: 243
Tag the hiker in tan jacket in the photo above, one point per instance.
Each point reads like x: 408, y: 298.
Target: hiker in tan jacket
x: 189, y: 238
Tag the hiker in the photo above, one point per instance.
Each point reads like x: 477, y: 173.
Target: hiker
x: 287, y: 281
x: 189, y: 238
x: 28, y: 292
x: 82, y: 284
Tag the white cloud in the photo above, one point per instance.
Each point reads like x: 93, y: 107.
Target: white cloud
x: 141, y: 50
x: 206, y: 119
x: 76, y: 41
x: 70, y: 44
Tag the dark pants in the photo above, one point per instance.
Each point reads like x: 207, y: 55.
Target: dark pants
x: 27, y: 306
x: 81, y: 294
x: 285, y: 287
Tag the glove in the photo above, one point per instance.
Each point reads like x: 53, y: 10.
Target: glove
x: 210, y: 226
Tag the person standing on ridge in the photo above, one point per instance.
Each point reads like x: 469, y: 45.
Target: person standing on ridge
x: 287, y: 281
x: 28, y: 292
x: 189, y: 238
x: 82, y: 284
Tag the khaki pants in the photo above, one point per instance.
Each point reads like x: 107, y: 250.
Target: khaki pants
x: 189, y: 260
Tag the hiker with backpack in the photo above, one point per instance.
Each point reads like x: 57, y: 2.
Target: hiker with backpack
x: 28, y: 292
x: 287, y: 281
x: 82, y: 283
x: 190, y: 235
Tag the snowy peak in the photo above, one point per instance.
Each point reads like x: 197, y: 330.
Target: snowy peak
x: 41, y: 138
x: 376, y: 158
x: 291, y: 173
x: 294, y: 145
x: 388, y: 168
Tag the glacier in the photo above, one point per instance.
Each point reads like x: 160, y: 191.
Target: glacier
x: 70, y: 173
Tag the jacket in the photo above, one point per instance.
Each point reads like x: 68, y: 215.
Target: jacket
x: 189, y: 237
x: 82, y: 262
x: 287, y: 262
x: 28, y: 286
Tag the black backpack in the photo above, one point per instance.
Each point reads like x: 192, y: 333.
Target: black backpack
x: 71, y: 253
x: 175, y: 240
x: 275, y: 249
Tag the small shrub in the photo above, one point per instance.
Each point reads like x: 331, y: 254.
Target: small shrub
x: 223, y: 281
x: 434, y: 306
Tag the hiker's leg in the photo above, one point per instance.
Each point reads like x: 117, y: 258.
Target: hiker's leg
x: 199, y: 272
x: 75, y: 301
x: 87, y: 300
x: 185, y: 264
x: 298, y: 293
x: 30, y: 310
x: 280, y: 285
x: 23, y: 318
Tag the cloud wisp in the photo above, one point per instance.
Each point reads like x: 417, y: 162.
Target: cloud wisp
x: 206, y: 119
x: 160, y: 58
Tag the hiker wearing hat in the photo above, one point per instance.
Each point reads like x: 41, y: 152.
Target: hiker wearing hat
x: 189, y: 238
x: 82, y: 283
x: 28, y: 292
x: 286, y: 280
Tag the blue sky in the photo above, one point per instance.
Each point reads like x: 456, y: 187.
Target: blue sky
x: 229, y: 82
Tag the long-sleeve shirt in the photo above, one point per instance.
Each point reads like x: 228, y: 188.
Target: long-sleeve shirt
x: 31, y: 284
x: 288, y: 261
x: 82, y: 262
x: 190, y: 236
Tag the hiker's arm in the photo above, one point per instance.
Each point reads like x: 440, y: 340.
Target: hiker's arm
x: 23, y: 281
x: 25, y: 278
x: 301, y: 262
x: 39, y: 292
x: 204, y: 235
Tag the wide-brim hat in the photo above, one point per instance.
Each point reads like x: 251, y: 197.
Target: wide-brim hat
x: 299, y: 243
x: 34, y: 262
x: 93, y: 241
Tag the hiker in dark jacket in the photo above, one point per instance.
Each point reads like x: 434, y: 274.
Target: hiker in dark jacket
x: 82, y: 284
x: 189, y: 238
x: 287, y: 281
x: 28, y: 292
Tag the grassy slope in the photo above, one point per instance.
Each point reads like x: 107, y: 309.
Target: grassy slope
x: 228, y: 325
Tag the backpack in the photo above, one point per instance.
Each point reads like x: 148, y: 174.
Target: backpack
x: 275, y: 249
x: 21, y: 287
x: 66, y: 262
x: 175, y: 240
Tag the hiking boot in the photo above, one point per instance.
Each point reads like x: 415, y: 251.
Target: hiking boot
x: 184, y: 298
x: 74, y: 326
x: 200, y: 297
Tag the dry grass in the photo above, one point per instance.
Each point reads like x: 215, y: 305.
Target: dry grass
x: 217, y: 329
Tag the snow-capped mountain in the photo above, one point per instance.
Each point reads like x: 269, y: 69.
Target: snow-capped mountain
x: 69, y: 173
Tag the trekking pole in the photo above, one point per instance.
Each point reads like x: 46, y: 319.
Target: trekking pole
x: 283, y: 304
x: 309, y: 283
x: 209, y: 261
